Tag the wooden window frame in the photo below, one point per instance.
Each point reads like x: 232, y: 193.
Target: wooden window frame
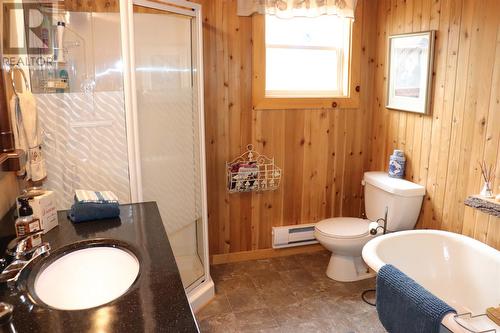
x: 261, y: 102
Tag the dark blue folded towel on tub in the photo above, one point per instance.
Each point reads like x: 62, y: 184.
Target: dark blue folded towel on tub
x: 404, y: 306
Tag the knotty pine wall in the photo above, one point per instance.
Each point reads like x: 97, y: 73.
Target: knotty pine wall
x: 322, y: 152
x: 443, y: 149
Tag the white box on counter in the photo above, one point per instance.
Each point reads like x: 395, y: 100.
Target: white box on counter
x: 44, y: 208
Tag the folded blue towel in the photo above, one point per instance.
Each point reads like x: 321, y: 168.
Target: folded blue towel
x: 81, y: 212
x: 404, y: 306
x: 93, y: 205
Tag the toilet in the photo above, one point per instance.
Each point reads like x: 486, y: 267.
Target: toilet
x: 345, y: 237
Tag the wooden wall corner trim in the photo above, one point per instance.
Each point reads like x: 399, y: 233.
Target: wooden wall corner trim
x: 225, y: 258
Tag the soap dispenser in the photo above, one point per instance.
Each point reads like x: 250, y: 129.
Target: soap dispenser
x: 26, y: 224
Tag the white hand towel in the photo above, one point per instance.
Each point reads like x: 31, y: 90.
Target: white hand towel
x: 28, y: 133
x: 17, y: 128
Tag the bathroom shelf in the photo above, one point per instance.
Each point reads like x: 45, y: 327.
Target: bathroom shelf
x: 488, y: 206
x: 12, y: 161
x: 252, y: 172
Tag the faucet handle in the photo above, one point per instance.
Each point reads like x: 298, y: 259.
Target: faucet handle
x: 17, y: 246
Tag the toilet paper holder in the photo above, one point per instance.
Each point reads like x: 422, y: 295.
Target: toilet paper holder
x: 374, y: 226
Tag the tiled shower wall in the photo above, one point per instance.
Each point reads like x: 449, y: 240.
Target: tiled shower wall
x: 85, y: 143
x: 84, y: 134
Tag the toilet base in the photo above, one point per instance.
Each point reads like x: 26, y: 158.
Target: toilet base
x: 348, y: 269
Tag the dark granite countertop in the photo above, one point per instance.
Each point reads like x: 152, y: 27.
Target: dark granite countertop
x: 156, y: 302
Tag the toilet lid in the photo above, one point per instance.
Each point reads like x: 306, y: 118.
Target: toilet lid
x: 343, y: 227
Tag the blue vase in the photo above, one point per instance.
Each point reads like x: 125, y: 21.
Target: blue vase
x: 397, y: 164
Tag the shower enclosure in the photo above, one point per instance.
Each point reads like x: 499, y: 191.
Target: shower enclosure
x: 163, y: 78
x: 128, y: 114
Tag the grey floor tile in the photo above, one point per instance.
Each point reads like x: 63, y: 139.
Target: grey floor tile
x: 234, y: 283
x: 277, y: 296
x: 245, y: 299
x: 256, y: 320
x: 267, y: 279
x: 311, y: 326
x: 304, y: 311
x: 289, y: 294
x: 223, y: 323
x: 217, y: 306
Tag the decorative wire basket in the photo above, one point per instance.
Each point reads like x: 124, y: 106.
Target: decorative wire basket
x: 252, y: 172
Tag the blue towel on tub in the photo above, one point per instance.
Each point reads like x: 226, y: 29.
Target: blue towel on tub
x: 94, y: 205
x: 404, y: 306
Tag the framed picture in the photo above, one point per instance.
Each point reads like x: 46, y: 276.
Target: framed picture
x: 410, y: 67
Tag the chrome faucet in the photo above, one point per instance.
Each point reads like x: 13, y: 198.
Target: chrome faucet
x: 18, y: 256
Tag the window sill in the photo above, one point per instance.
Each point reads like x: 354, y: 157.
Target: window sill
x: 306, y: 103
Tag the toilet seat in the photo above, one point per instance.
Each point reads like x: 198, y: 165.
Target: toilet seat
x: 343, y: 227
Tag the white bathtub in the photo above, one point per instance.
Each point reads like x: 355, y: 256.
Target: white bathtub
x: 463, y: 272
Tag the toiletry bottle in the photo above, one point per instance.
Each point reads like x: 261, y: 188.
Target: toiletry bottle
x: 60, y: 39
x: 25, y: 223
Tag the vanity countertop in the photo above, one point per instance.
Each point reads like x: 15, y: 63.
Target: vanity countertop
x: 156, y: 302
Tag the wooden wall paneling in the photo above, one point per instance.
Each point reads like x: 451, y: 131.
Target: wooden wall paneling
x: 488, y: 131
x: 471, y: 95
x: 492, y: 155
x: 392, y: 117
x: 222, y: 123
x: 380, y: 114
x: 351, y: 131
x: 340, y: 148
x: 270, y: 142
x: 430, y: 22
x: 453, y: 32
x: 335, y: 163
x: 438, y: 88
x: 411, y: 10
x: 319, y: 180
x: 209, y: 64
x: 422, y: 124
x: 293, y: 166
x: 315, y: 164
x: 234, y: 107
x: 405, y: 8
x: 443, y: 149
x: 323, y: 153
x: 414, y: 125
x: 493, y: 237
x: 368, y: 44
x: 486, y: 37
x: 453, y: 201
x: 355, y: 135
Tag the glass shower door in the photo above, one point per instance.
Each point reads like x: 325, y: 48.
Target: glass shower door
x: 168, y: 130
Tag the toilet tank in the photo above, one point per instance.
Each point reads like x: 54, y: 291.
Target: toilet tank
x: 402, y: 198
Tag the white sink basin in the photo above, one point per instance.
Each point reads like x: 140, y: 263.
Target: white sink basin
x: 86, y: 278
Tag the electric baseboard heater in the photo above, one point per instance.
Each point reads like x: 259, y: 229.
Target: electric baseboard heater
x: 293, y: 235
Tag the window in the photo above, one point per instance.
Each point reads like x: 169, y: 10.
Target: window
x: 307, y: 57
x: 303, y: 62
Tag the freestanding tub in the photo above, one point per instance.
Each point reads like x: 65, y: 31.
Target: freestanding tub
x: 463, y: 272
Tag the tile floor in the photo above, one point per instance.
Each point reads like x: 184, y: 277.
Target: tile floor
x: 289, y: 294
